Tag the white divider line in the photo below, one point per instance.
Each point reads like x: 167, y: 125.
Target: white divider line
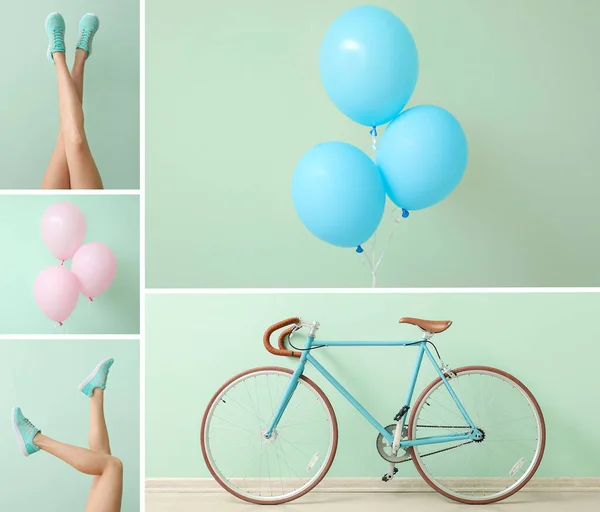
x: 57, y: 192
x: 268, y: 291
x: 78, y: 337
x: 142, y: 441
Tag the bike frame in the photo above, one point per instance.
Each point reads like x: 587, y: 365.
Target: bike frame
x: 421, y: 345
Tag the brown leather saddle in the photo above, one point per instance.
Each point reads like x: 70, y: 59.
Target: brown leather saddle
x: 433, y: 326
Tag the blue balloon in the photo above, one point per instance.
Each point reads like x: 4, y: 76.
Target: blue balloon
x: 338, y: 194
x: 422, y: 156
x: 369, y: 65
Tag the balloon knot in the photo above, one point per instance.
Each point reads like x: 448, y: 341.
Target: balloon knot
x: 405, y: 213
x: 91, y: 299
x: 60, y: 323
x: 62, y: 263
x: 373, y: 131
x: 359, y: 250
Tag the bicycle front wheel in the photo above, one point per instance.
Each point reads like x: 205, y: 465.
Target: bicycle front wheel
x: 288, y: 464
x: 486, y: 470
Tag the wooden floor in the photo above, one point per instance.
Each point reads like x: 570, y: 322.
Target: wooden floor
x: 355, y: 502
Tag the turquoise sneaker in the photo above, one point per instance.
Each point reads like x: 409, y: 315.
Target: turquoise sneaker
x: 25, y: 431
x: 88, y: 26
x: 55, y: 28
x: 96, y: 379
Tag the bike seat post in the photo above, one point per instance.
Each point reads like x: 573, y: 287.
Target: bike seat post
x: 427, y: 336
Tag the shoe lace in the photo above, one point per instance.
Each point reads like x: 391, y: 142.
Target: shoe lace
x: 86, y: 34
x: 104, y: 377
x: 57, y: 36
x: 30, y: 426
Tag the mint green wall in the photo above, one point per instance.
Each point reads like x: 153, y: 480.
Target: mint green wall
x: 196, y: 342
x: 112, y: 220
x: 243, y: 101
x: 29, y: 97
x: 42, y: 377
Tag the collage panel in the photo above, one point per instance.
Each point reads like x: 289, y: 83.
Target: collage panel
x: 72, y: 264
x: 316, y: 255
x: 73, y: 57
x: 62, y: 400
x: 270, y: 189
x: 508, y: 357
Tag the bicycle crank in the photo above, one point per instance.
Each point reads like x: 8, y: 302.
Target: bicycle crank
x: 384, y: 448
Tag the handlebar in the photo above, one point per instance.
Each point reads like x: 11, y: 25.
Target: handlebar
x: 281, y: 351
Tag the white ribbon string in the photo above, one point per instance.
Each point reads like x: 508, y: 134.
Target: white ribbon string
x: 373, y: 134
x: 392, y: 233
x: 373, y: 261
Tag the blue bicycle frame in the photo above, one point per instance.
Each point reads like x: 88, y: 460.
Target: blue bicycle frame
x: 471, y: 433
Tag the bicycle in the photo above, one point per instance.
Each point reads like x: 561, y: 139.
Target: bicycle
x: 269, y: 435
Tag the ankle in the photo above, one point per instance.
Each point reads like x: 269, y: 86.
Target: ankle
x: 98, y: 394
x: 39, y: 440
x: 80, y: 56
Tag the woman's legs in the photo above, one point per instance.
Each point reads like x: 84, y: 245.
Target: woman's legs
x: 108, y: 472
x: 107, y: 487
x: 83, y: 172
x: 57, y: 175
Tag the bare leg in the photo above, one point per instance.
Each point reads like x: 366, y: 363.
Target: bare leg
x: 82, y: 168
x: 98, y: 434
x: 108, y: 469
x: 57, y: 175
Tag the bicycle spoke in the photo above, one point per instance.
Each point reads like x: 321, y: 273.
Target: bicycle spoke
x: 489, y: 468
x: 274, y: 469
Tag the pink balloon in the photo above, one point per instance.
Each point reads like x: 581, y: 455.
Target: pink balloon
x: 95, y: 266
x: 63, y: 229
x: 56, y: 291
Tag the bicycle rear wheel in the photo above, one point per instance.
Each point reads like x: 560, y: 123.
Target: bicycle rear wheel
x: 494, y: 468
x: 276, y: 470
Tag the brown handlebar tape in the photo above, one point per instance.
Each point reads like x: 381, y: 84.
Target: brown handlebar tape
x: 281, y: 351
x: 283, y: 336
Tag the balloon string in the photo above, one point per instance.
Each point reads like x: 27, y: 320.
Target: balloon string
x: 374, y: 264
x: 373, y: 134
x: 365, y: 257
x: 403, y: 215
x: 392, y: 233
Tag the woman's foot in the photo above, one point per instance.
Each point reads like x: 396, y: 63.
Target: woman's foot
x: 88, y: 26
x: 55, y: 28
x: 25, y: 432
x: 96, y: 379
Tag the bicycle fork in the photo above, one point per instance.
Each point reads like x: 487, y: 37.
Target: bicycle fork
x: 287, y: 395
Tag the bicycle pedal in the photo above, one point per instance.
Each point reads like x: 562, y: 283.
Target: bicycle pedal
x: 387, y: 477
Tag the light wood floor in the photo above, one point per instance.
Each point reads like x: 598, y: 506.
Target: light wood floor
x: 355, y: 502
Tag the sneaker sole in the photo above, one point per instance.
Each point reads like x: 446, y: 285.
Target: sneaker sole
x: 91, y: 376
x: 18, y: 434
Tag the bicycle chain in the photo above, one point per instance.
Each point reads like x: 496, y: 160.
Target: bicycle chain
x: 444, y: 449
x: 442, y: 426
